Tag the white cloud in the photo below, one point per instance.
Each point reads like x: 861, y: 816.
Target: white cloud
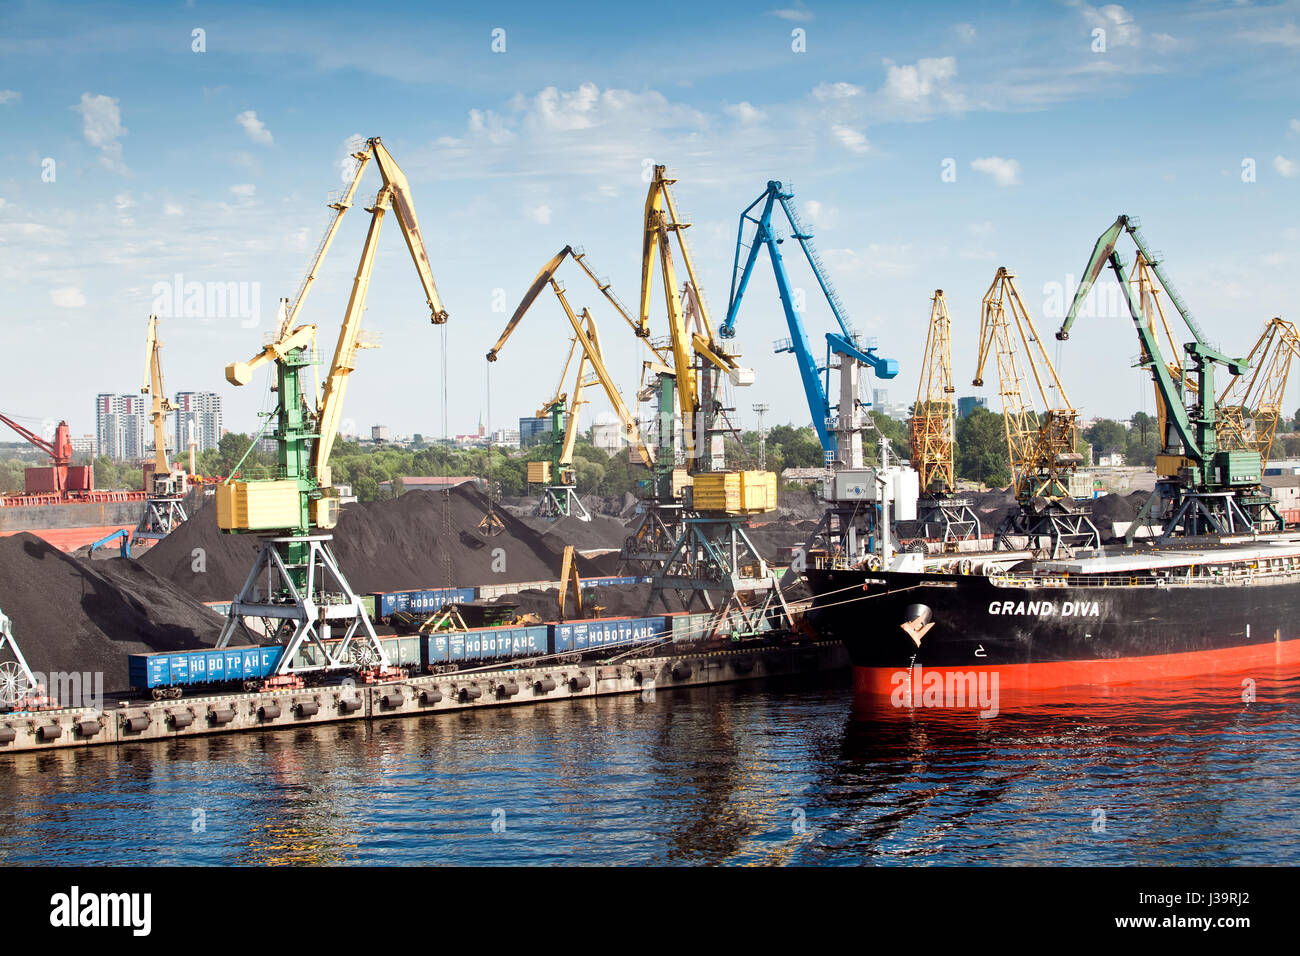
x: 1287, y: 36
x: 851, y: 139
x: 798, y: 13
x: 1005, y: 172
x: 984, y: 228
x: 3, y: 202
x: 101, y: 125
x: 540, y: 214
x: 244, y: 190
x: 744, y: 111
x: 912, y: 83
x: 1286, y: 167
x: 172, y: 209
x: 123, y: 202
x: 254, y: 127
x: 836, y: 91
x: 10, y: 96
x: 1164, y: 43
x: 818, y: 213
x: 587, y: 107
x: 965, y: 32
x: 488, y: 125
x: 68, y: 298
x: 1294, y: 126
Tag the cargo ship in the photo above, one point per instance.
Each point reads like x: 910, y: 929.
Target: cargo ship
x: 1114, y: 615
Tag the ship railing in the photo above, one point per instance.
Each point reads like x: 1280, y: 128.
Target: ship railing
x: 1203, y: 576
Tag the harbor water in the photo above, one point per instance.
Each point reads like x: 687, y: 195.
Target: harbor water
x: 789, y: 771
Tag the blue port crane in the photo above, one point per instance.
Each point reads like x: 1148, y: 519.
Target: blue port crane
x: 844, y: 343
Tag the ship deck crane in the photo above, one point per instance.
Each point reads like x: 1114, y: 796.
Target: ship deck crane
x: 59, y: 449
x: 560, y: 497
x: 940, y: 514
x: 1041, y: 445
x: 1251, y: 404
x: 164, y: 509
x: 296, y: 586
x: 1200, y: 487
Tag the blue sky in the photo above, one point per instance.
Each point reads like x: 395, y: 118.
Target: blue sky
x: 216, y: 165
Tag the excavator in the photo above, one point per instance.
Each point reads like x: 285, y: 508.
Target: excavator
x: 295, y: 587
x: 1041, y: 444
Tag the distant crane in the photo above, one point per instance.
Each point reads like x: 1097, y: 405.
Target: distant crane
x: 557, y: 476
x: 164, y: 509
x: 933, y: 433
x: 1201, y: 488
x: 1250, y: 405
x: 1041, y: 444
x: 17, y: 682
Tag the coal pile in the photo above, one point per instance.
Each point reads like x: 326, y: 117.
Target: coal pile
x: 71, y: 616
x: 600, y: 533
x: 622, y: 601
x: 408, y: 542
x: 1110, y: 509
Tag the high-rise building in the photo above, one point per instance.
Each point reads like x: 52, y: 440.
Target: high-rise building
x: 968, y: 403
x: 198, y: 415
x: 121, y: 423
x: 531, y: 430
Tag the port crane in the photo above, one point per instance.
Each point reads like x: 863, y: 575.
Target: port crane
x: 1201, y: 487
x: 696, y: 543
x: 164, y: 508
x: 295, y: 587
x: 560, y: 497
x: 849, y: 523
x: 840, y: 436
x: 940, y: 513
x: 1250, y: 405
x: 1042, y: 445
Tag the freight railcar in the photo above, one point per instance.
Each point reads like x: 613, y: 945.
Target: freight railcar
x: 167, y: 675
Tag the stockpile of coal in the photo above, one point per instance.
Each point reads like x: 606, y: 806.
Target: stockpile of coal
x: 1114, y: 508
x: 422, y: 539
x: 72, y: 616
x: 774, y: 538
x: 623, y: 601
x: 599, y: 534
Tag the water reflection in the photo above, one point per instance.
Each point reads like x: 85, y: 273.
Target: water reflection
x: 791, y: 771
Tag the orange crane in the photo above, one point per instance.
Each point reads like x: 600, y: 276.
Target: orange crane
x: 1041, y: 444
x: 933, y: 434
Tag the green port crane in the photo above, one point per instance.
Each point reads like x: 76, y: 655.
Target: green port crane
x: 1200, y: 488
x: 295, y: 587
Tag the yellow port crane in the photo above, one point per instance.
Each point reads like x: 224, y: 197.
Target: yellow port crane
x: 690, y: 341
x: 933, y: 429
x: 1041, y: 445
x: 296, y: 580
x: 163, y: 509
x: 560, y: 498
x: 1251, y: 403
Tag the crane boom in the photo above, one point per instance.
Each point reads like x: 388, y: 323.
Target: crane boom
x: 1251, y: 405
x: 933, y: 424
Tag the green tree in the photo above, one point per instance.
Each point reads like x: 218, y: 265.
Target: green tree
x: 1106, y: 435
x: 982, y: 449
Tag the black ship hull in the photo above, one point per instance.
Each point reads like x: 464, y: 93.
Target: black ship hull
x: 1056, y: 633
